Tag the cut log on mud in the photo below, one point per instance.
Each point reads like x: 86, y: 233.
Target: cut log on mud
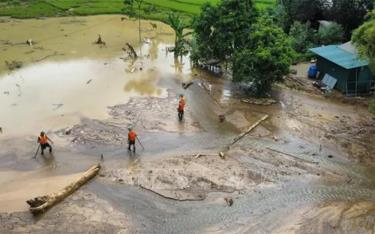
x: 251, y: 128
x: 131, y: 52
x: 187, y: 85
x: 41, y: 204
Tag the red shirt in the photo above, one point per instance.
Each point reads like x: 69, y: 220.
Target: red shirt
x: 131, y: 136
x: 181, y: 104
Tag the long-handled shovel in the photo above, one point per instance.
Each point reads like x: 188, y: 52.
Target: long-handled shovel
x: 37, y: 150
x: 140, y: 143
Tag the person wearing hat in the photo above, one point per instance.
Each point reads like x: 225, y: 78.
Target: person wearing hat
x: 43, y: 141
x: 131, y: 139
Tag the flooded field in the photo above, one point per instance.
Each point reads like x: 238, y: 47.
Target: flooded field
x: 308, y: 168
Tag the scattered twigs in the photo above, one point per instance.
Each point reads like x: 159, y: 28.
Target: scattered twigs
x: 291, y: 155
x: 48, y: 56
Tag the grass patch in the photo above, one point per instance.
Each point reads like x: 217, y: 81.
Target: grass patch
x: 152, y: 9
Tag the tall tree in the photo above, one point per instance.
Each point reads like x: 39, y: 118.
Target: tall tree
x: 222, y: 29
x: 364, y: 39
x: 350, y: 13
x: 178, y: 26
x: 265, y: 59
x: 305, y: 10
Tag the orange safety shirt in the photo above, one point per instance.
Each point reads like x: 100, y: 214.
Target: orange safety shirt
x: 181, y: 104
x: 131, y: 136
x: 43, y: 139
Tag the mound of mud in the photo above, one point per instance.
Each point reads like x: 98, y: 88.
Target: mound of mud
x: 186, y: 177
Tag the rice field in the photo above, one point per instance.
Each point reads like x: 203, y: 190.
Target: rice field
x: 151, y: 9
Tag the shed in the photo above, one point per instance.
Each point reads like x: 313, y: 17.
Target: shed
x: 343, y: 63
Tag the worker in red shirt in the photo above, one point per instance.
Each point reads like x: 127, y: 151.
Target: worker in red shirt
x: 43, y: 141
x: 131, y: 139
x: 181, y: 107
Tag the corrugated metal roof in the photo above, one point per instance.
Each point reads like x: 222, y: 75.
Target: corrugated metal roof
x: 340, y: 56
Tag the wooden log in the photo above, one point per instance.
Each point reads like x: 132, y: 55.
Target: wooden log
x: 239, y: 137
x: 41, y: 204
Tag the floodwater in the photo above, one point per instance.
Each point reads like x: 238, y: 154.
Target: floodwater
x: 67, y: 81
x: 83, y: 79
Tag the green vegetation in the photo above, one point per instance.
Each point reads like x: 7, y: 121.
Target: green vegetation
x: 180, y: 44
x: 301, y: 20
x: 364, y: 39
x: 265, y: 60
x: 257, y: 50
x: 151, y: 9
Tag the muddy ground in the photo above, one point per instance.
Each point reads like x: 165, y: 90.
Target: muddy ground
x: 308, y: 168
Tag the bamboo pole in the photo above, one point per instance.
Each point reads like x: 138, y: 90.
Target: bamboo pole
x: 251, y: 128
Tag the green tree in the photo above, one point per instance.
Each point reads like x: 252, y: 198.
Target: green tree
x: 302, y: 36
x: 304, y: 11
x: 331, y: 34
x: 350, y: 13
x: 364, y: 39
x: 265, y: 60
x: 222, y: 29
x: 178, y: 27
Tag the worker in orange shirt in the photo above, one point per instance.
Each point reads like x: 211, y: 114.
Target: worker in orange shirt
x: 132, y: 136
x: 43, y: 141
x: 181, y: 107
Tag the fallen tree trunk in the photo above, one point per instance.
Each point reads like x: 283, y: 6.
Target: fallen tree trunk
x: 239, y: 137
x: 132, y: 52
x: 40, y: 204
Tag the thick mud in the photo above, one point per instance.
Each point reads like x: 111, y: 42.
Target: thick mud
x: 309, y: 168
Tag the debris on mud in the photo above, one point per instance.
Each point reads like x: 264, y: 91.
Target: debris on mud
x: 48, y: 56
x: 131, y: 51
x: 259, y: 101
x: 228, y: 200
x: 186, y: 177
x: 187, y: 85
x: 100, y: 41
x: 13, y: 65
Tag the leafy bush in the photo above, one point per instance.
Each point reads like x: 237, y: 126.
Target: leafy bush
x: 265, y: 60
x: 331, y: 34
x: 302, y: 36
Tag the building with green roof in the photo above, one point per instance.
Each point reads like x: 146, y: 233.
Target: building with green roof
x: 343, y: 63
